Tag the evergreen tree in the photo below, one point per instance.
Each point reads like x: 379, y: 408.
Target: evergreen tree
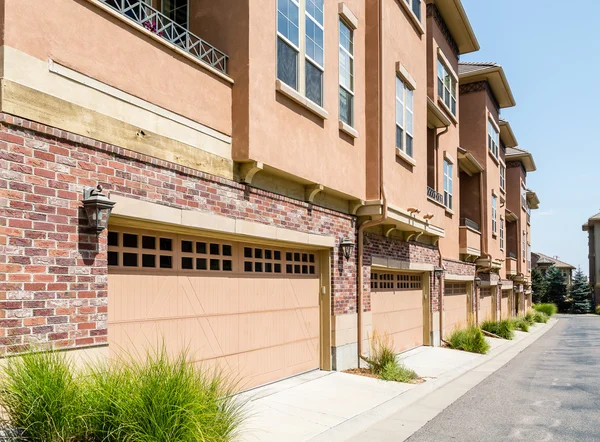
x: 556, y: 291
x: 581, y: 293
x: 538, y: 286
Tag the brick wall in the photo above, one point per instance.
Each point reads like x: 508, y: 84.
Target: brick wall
x: 53, y: 274
x: 461, y: 268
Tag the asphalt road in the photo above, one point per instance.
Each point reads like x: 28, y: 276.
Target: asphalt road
x: 549, y: 392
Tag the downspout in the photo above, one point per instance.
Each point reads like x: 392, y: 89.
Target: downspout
x: 441, y: 294
x: 382, y: 194
x: 485, y: 239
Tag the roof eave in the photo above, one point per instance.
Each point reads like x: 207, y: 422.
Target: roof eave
x: 526, y: 159
x: 497, y: 79
x: 507, y: 135
x: 458, y: 23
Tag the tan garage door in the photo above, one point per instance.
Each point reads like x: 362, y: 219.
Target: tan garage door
x: 486, y: 302
x: 397, y: 305
x: 505, y: 304
x: 251, y: 310
x: 455, y: 307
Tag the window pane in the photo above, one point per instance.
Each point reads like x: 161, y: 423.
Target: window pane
x: 314, y: 84
x: 416, y: 7
x: 314, y: 42
x: 287, y: 20
x: 346, y: 38
x: 315, y: 9
x: 346, y: 70
x: 399, y: 138
x: 346, y: 106
x: 409, y: 145
x: 287, y: 64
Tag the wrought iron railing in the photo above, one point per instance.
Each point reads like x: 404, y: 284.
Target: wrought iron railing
x: 154, y: 21
x: 466, y: 222
x: 435, y: 195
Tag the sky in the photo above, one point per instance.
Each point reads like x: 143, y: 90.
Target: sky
x: 549, y: 55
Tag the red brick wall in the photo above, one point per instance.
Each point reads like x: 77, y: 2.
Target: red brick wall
x: 53, y: 283
x: 459, y: 268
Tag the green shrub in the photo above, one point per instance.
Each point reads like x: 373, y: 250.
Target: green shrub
x: 469, y: 339
x: 382, y: 352
x: 598, y: 310
x: 540, y: 317
x: 520, y: 324
x: 549, y: 309
x: 41, y: 396
x: 503, y: 328
x: 529, y: 317
x: 161, y: 399
x: 395, y: 371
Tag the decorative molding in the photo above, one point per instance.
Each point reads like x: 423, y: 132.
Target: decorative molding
x: 248, y: 170
x: 388, y: 229
x: 479, y: 86
x: 511, y: 164
x: 433, y: 11
x: 311, y: 191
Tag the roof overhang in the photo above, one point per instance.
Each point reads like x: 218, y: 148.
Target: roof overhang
x: 458, y: 23
x: 507, y: 135
x: 468, y: 163
x: 402, y: 220
x: 533, y: 200
x: 525, y: 158
x: 435, y: 116
x: 495, y: 76
x: 511, y: 216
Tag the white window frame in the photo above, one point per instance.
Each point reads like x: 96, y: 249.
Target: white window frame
x: 412, y: 4
x: 524, y: 245
x: 494, y: 214
x: 301, y: 56
x: 187, y: 11
x: 523, y: 195
x: 402, y: 98
x: 448, y: 183
x: 502, y: 177
x: 501, y: 233
x: 493, y: 138
x: 447, y: 92
x: 350, y: 89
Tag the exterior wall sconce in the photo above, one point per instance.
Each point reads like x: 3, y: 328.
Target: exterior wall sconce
x: 347, y: 247
x: 438, y: 271
x: 97, y: 208
x: 477, y: 282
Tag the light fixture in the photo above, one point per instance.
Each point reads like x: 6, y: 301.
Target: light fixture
x: 438, y: 271
x: 97, y: 208
x: 347, y: 247
x: 477, y: 281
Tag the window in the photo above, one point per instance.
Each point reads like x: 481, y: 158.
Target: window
x: 524, y: 248
x: 523, y: 196
x: 501, y: 233
x: 493, y: 138
x: 346, y: 74
x: 448, y: 169
x: 289, y: 61
x: 502, y: 177
x: 447, y: 87
x: 494, y: 214
x: 176, y: 10
x: 415, y: 5
x: 393, y: 281
x: 404, y: 117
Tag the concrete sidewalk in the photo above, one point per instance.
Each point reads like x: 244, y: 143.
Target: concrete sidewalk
x: 333, y: 406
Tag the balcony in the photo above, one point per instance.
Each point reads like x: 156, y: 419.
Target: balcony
x: 434, y: 195
x: 469, y: 238
x: 154, y: 21
x: 511, y: 265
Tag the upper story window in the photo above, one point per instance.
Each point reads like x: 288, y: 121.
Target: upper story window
x: 493, y: 138
x: 448, y: 170
x: 346, y: 74
x: 291, y: 60
x: 501, y: 233
x: 415, y: 5
x: 494, y: 214
x: 404, y: 117
x: 524, y: 245
x: 176, y: 10
x: 502, y: 177
x: 523, y: 196
x: 447, y: 87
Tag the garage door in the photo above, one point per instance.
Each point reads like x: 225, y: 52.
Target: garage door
x: 397, y: 306
x: 251, y: 310
x: 505, y: 304
x: 486, y: 302
x: 455, y: 307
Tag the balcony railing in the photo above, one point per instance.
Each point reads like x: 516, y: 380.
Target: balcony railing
x: 435, y: 195
x: 154, y: 21
x: 466, y: 222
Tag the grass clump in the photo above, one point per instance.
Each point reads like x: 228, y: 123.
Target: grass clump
x: 520, y: 324
x: 503, y: 328
x: 469, y: 339
x: 395, y: 371
x: 540, y: 317
x: 598, y: 310
x: 549, y: 309
x: 383, y: 362
x: 40, y: 395
x: 529, y: 317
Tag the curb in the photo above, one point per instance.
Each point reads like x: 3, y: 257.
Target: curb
x: 355, y: 425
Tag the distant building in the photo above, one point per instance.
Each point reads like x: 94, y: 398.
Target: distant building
x: 593, y: 239
x: 544, y: 262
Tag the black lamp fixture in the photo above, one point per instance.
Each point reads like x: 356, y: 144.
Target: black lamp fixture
x: 97, y: 208
x: 438, y: 271
x: 347, y: 247
x: 478, y: 282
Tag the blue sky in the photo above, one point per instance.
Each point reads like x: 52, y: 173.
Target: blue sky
x: 549, y: 54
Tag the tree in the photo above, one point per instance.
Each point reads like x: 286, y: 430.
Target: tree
x: 581, y: 293
x: 556, y: 291
x: 538, y: 286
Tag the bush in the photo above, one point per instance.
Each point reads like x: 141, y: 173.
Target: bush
x: 41, y: 396
x: 540, y: 317
x: 395, y: 371
x: 598, y: 310
x: 160, y: 399
x: 503, y: 328
x: 549, y: 309
x: 382, y: 352
x: 520, y: 324
x: 469, y: 339
x: 529, y: 317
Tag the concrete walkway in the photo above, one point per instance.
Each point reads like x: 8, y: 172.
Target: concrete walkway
x: 333, y: 406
